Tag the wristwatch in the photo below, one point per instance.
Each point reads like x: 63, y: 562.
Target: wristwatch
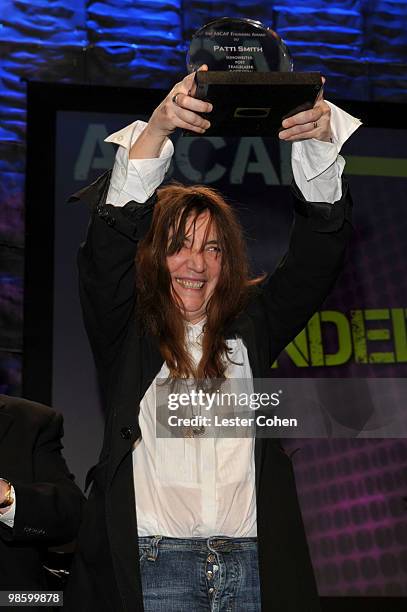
x: 8, y: 499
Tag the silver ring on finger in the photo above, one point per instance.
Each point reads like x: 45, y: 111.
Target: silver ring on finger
x: 315, y: 125
x: 174, y: 98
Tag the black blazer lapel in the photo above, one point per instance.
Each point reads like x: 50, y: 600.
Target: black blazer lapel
x: 244, y: 327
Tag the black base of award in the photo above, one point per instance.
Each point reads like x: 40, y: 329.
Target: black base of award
x: 254, y: 103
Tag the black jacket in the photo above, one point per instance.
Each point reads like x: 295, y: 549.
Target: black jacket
x: 106, y: 575
x: 48, y: 502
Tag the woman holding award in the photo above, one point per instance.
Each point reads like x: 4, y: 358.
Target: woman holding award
x: 197, y: 524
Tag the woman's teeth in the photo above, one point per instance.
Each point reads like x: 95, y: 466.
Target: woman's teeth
x: 188, y: 284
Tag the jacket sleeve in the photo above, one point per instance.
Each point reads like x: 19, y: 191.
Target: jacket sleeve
x: 48, y: 510
x: 106, y: 269
x: 307, y: 272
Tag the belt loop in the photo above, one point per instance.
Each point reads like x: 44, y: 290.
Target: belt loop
x: 153, y: 552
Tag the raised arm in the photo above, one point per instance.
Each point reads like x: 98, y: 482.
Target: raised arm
x: 306, y: 274
x: 121, y: 206
x: 321, y: 227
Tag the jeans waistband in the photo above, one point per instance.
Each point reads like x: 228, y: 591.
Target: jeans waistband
x: 213, y: 543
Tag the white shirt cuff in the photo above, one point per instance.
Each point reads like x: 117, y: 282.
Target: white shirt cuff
x: 8, y: 516
x: 317, y: 166
x: 135, y: 179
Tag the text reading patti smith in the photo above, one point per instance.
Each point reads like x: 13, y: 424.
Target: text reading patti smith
x: 222, y: 403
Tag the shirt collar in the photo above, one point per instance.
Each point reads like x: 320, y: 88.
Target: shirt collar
x: 194, y: 331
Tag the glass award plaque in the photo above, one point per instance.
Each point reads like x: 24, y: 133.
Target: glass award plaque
x: 250, y: 82
x: 240, y: 45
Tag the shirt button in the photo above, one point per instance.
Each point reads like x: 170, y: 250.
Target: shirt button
x: 111, y: 221
x: 211, y: 558
x: 120, y: 138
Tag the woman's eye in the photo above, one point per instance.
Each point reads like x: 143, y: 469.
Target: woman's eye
x: 213, y: 249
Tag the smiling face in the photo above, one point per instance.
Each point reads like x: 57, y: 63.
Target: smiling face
x: 196, y: 267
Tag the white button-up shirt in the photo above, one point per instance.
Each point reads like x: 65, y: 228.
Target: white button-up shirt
x: 194, y: 487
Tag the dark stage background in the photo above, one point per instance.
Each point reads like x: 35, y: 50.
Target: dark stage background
x: 351, y: 491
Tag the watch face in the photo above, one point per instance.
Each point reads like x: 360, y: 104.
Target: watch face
x: 239, y: 45
x: 8, y: 500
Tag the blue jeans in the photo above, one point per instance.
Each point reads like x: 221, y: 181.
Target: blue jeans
x: 217, y: 574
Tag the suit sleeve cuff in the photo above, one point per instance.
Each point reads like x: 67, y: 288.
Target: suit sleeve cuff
x: 322, y: 216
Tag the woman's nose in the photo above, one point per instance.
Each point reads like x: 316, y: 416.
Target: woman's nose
x: 196, y: 260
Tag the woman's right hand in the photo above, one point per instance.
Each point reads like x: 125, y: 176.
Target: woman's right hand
x: 179, y: 109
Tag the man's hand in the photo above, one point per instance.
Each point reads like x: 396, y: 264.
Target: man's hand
x: 313, y: 123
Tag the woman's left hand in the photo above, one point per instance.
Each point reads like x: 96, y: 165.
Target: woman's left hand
x: 313, y: 123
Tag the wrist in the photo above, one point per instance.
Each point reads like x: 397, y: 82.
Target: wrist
x: 149, y: 143
x: 326, y: 138
x: 156, y: 133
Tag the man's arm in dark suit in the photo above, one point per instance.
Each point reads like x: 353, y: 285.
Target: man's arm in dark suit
x: 48, y: 511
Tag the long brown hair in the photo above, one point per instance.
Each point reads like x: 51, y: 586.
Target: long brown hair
x: 157, y: 308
